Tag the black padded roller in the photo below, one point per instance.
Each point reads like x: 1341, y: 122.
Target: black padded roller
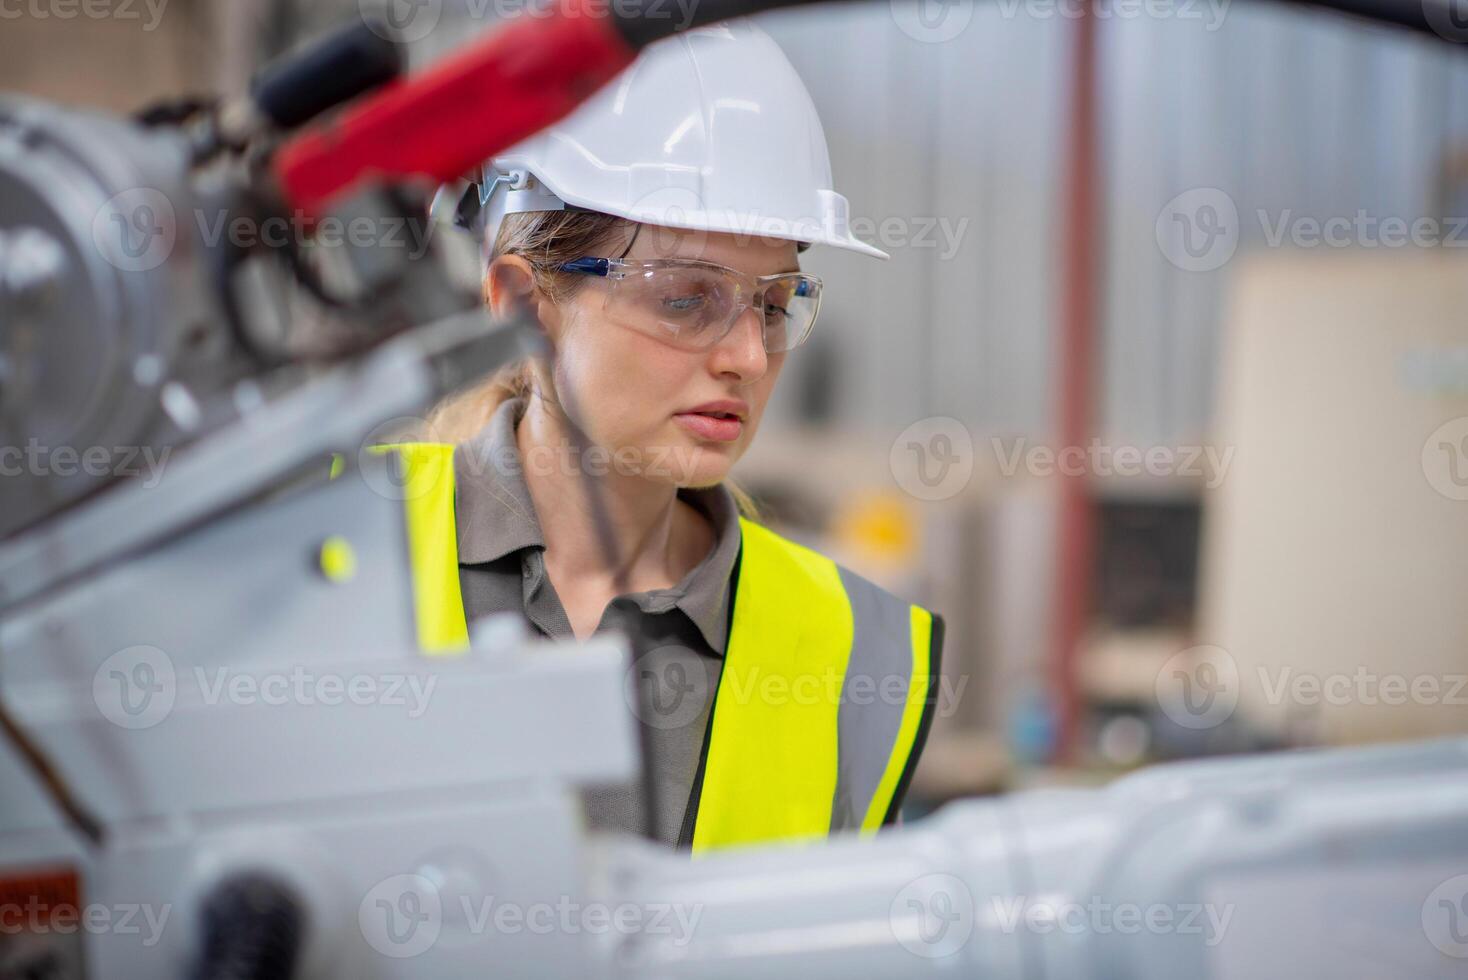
x: 341, y: 66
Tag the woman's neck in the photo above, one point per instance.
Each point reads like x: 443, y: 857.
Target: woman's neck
x: 656, y: 538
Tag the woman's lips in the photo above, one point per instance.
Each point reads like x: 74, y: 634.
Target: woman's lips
x: 713, y: 427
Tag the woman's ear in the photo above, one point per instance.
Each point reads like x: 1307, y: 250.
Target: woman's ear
x: 509, y: 282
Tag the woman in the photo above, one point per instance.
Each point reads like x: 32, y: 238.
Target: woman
x: 655, y: 235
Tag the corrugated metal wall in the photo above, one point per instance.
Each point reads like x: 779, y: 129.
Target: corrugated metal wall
x: 1282, y: 110
x: 942, y: 139
x: 1294, y: 113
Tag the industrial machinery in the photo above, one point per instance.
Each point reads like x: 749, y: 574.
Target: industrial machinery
x: 193, y: 790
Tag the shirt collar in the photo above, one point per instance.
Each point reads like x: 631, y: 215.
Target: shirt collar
x: 492, y: 507
x: 495, y: 517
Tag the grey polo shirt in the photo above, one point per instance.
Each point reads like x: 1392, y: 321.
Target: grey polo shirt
x: 679, y: 633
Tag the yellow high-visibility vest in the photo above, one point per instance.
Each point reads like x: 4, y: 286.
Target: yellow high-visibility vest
x: 828, y: 686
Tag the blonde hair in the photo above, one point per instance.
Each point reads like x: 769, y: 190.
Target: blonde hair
x: 546, y: 239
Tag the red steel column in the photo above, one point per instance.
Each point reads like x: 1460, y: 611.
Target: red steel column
x: 1075, y: 377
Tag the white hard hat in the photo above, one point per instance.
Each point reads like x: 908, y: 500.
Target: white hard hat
x: 710, y: 129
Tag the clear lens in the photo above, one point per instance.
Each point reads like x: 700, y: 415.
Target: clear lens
x: 790, y: 306
x: 694, y: 306
x: 689, y: 305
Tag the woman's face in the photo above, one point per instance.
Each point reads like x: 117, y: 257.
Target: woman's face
x: 655, y: 405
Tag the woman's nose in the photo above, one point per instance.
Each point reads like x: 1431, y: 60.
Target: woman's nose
x: 742, y: 350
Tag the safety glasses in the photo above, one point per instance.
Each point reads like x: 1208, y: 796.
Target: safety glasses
x: 694, y: 304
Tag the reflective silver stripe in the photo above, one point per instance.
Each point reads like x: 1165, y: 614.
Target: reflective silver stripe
x: 873, y: 696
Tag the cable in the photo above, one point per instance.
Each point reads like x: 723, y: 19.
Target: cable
x: 81, y: 819
x: 611, y: 554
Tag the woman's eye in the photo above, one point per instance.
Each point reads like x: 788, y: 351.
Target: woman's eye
x: 683, y: 304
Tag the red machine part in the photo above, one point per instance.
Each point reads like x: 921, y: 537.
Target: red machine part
x: 441, y: 124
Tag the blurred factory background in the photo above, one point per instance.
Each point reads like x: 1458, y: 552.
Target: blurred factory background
x: 1265, y: 542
